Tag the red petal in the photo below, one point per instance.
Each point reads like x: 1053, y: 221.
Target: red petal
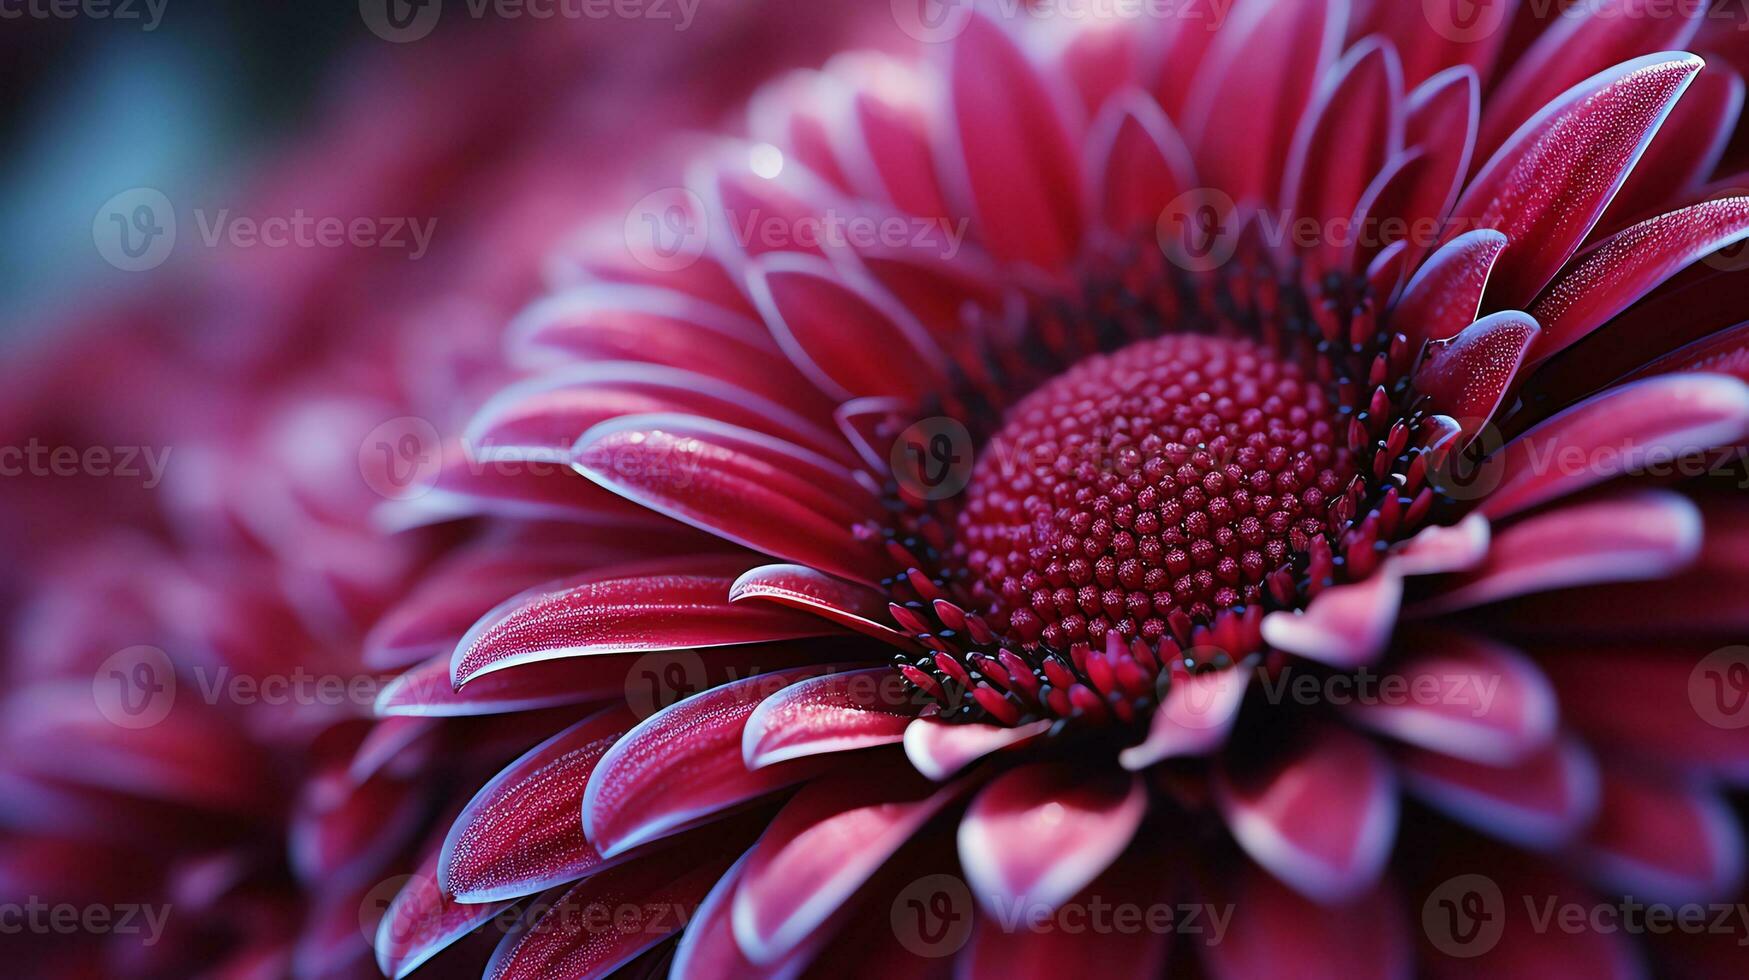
x: 1020, y: 167
x: 1446, y: 294
x: 798, y: 587
x: 1195, y: 717
x: 1463, y: 33
x: 1664, y: 841
x: 428, y: 690
x: 666, y: 605
x: 1539, y: 802
x: 939, y: 750
x: 1468, y: 376
x: 1037, y: 835
x: 1249, y: 95
x: 1578, y: 44
x: 855, y: 709
x: 422, y: 920
x: 1464, y: 697
x: 1345, y: 625
x: 1275, y: 932
x: 1617, y: 273
x: 1346, y: 137
x: 822, y: 846
x: 1628, y: 537
x: 1550, y: 182
x: 1139, y: 162
x: 1657, y: 419
x: 740, y: 485
x: 683, y: 765
x: 1322, y: 820
x: 1686, y: 150
x: 521, y: 834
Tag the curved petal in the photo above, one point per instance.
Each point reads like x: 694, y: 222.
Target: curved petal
x: 1344, y: 626
x: 422, y: 920
x: 1664, y: 840
x: 1195, y: 717
x: 1038, y: 834
x: 1322, y: 820
x: 1468, y: 376
x: 1539, y: 802
x: 1276, y: 932
x: 938, y: 749
x: 740, y: 485
x: 857, y: 606
x: 1139, y: 163
x: 1464, y: 697
x: 1446, y: 294
x: 854, y: 709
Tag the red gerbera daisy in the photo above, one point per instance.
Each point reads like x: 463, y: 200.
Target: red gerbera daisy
x: 1272, y: 467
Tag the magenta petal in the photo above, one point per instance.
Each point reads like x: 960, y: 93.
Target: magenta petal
x: 1655, y: 419
x: 1276, y: 932
x: 1627, y: 537
x: 428, y: 690
x: 1550, y: 182
x: 740, y: 485
x: 1014, y: 944
x: 1664, y: 840
x: 1023, y: 177
x: 938, y: 749
x: 540, y: 418
x: 890, y: 113
x: 1139, y: 163
x: 1464, y: 697
x: 665, y: 605
x: 1248, y: 97
x: 1609, y: 278
x: 422, y: 920
x: 1686, y: 150
x: 1038, y: 834
x: 1443, y: 116
x: 820, y: 848
x: 1195, y: 717
x: 683, y: 765
x: 1344, y: 626
x: 1348, y: 135
x: 648, y: 901
x: 1577, y: 44
x: 854, y: 709
x: 1322, y: 820
x: 1679, y: 716
x: 1446, y: 294
x: 1539, y: 802
x: 1439, y: 549
x: 1463, y: 36
x: 1469, y: 375
x: 521, y: 833
x: 831, y: 328
x: 798, y: 587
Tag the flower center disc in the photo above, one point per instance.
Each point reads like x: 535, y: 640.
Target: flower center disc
x: 1160, y: 482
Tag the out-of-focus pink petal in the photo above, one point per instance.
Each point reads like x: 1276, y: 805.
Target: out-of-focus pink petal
x: 1138, y: 163
x: 1438, y: 549
x: 1349, y: 132
x: 1465, y: 697
x: 1246, y: 101
x: 1322, y: 819
x: 428, y: 690
x: 1539, y: 802
x: 1275, y: 932
x: 1023, y: 176
x: 1664, y: 840
x: 422, y: 920
x: 1437, y: 35
x: 1680, y: 712
x: 1038, y: 834
x: 1194, y: 718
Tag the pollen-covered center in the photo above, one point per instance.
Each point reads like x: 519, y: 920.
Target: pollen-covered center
x: 1148, y: 489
